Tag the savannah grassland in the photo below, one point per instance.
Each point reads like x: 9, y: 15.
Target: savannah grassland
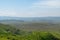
x: 30, y: 31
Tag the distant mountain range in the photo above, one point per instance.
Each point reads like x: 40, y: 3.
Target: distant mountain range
x: 34, y: 19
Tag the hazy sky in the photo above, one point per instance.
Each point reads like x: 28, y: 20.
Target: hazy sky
x: 30, y: 8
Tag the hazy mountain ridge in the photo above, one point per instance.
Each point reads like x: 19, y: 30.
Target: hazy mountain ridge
x: 34, y: 19
x: 7, y: 17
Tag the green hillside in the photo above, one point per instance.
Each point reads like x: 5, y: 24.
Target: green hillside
x: 8, y: 32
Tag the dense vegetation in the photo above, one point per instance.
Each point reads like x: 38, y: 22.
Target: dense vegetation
x: 8, y: 32
x: 37, y: 26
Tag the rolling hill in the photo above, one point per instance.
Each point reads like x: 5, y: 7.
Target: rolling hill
x: 8, y: 32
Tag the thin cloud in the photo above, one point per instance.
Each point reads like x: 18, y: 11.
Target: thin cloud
x: 5, y: 12
x: 48, y: 4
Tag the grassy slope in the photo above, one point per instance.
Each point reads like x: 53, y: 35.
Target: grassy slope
x: 10, y: 33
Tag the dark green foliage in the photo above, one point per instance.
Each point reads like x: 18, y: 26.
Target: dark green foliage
x: 13, y: 39
x: 49, y: 36
x: 8, y: 38
x: 17, y: 32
